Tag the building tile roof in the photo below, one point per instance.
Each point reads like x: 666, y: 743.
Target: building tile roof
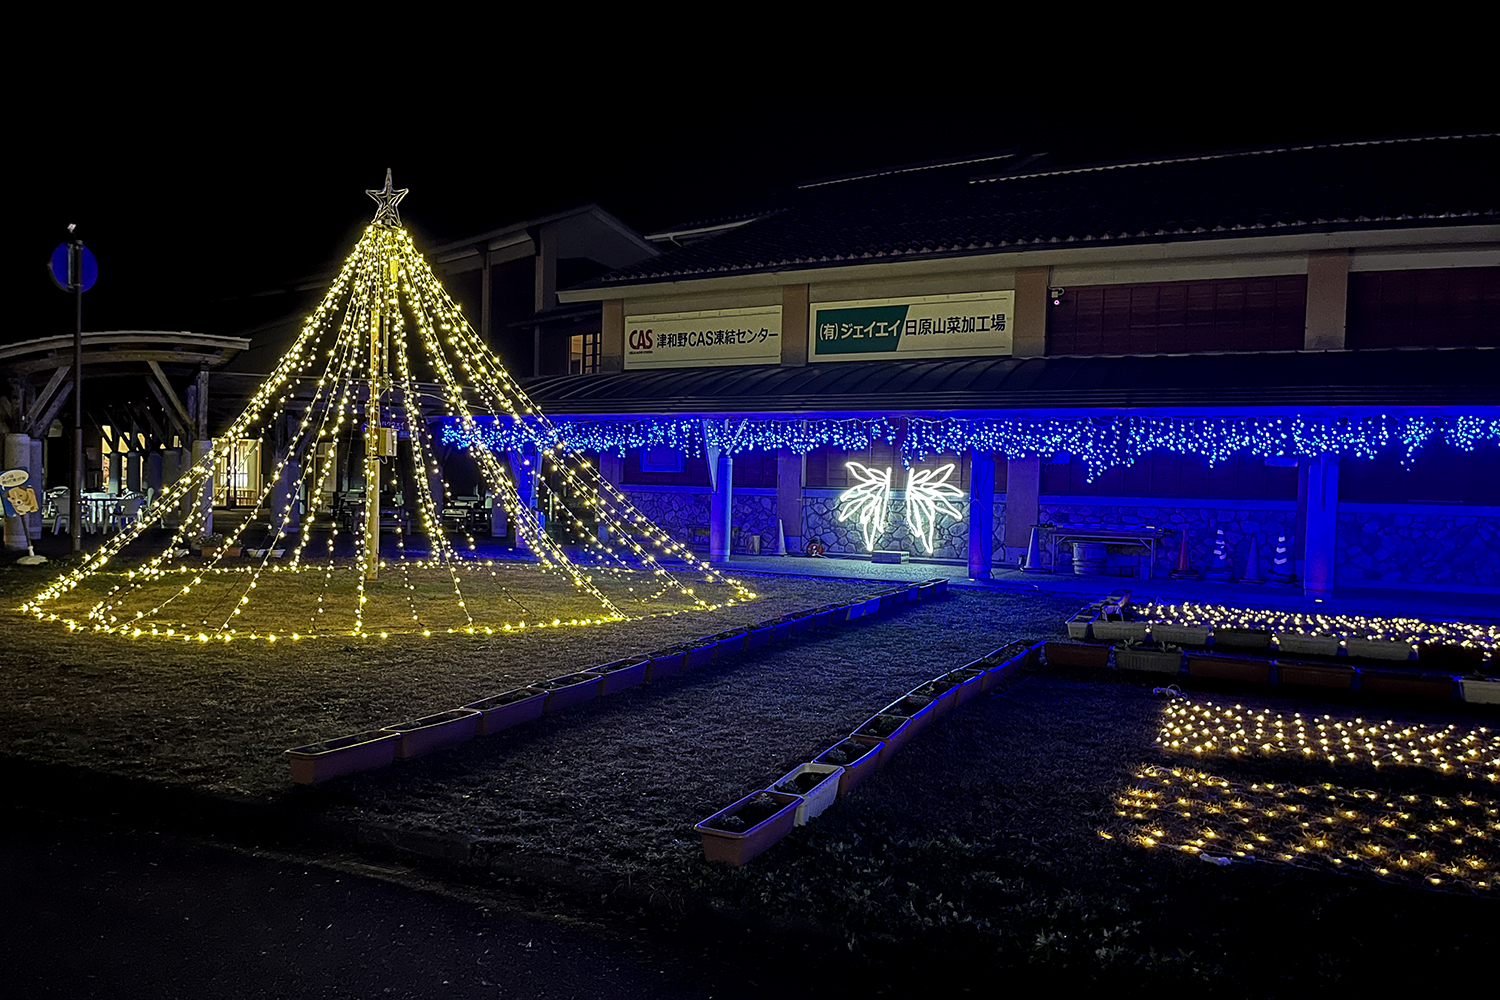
x: 1463, y: 377
x: 969, y: 208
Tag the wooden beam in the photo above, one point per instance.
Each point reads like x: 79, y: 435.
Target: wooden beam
x: 28, y: 425
x: 171, y: 394
x: 114, y: 358
x: 182, y: 426
x: 43, y: 423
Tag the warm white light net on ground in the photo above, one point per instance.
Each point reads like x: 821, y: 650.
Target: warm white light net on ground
x: 386, y: 351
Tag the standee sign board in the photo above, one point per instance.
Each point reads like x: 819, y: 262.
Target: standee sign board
x: 925, y: 326
x: 698, y: 339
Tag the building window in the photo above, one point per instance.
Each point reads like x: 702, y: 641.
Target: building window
x: 583, y: 354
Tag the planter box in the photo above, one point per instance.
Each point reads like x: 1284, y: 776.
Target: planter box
x: 1180, y: 635
x: 729, y: 642
x: 1076, y: 654
x: 1477, y: 691
x: 925, y: 590
x: 1406, y: 684
x: 1448, y: 656
x: 893, y: 730
x: 802, y: 621
x: 859, y: 757
x: 1229, y: 668
x: 1118, y: 631
x: 872, y: 605
x: 821, y: 616
x: 433, y: 732
x: 838, y: 614
x: 969, y: 681
x: 939, y: 586
x: 913, y: 592
x: 1152, y: 661
x: 345, y: 755
x: 781, y: 628
x: 737, y: 847
x: 509, y: 709
x: 1378, y: 649
x: 621, y: 674
x: 1308, y: 645
x: 821, y: 787
x: 891, y: 600
x: 699, y: 654
x: 1318, y: 675
x: 916, y: 708
x: 1079, y: 625
x: 942, y: 690
x: 1243, y: 638
x: 758, y: 635
x: 569, y: 690
x: 665, y: 663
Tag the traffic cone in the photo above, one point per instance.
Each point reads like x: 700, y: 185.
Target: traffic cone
x: 1184, y: 568
x: 1220, y: 568
x: 1252, y: 566
x: 780, y: 537
x: 1034, y: 553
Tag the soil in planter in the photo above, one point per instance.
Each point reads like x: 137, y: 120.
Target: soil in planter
x: 845, y: 753
x: 881, y: 725
x: 803, y: 783
x: 508, y: 698
x: 757, y: 811
x: 562, y: 682
x: 933, y: 689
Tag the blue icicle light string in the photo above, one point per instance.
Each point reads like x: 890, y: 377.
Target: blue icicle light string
x: 1100, y: 443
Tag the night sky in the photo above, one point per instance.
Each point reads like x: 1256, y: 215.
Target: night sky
x: 195, y: 199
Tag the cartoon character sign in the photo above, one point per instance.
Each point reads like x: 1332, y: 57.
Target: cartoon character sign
x: 16, y: 494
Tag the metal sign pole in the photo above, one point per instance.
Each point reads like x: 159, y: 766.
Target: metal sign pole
x: 75, y: 497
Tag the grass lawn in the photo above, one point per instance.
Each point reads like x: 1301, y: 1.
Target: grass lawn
x: 976, y: 856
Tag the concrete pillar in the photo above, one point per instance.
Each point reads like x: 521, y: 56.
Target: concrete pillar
x: 133, y: 468
x: 18, y: 455
x: 523, y: 474
x: 154, y: 463
x: 116, y: 467
x: 720, y: 507
x: 981, y: 514
x: 612, y: 336
x: 38, y: 447
x: 1023, y: 487
x: 1320, y: 526
x: 791, y: 476
x: 794, y: 339
x: 1327, y: 300
x: 204, y: 498
x: 1028, y: 339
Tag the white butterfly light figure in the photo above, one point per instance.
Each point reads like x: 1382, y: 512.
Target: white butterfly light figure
x: 929, y: 493
x: 868, y: 501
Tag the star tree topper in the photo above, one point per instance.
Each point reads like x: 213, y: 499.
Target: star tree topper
x: 387, y: 199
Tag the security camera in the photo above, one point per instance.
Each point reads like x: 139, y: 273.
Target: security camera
x: 1056, y: 294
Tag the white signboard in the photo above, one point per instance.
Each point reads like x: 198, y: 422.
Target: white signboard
x: 923, y: 326
x: 703, y: 339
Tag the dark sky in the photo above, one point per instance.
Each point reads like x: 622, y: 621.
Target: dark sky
x: 188, y: 193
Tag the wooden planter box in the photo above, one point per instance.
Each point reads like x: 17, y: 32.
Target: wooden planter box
x: 1481, y: 691
x: 699, y: 654
x: 665, y: 663
x: 1378, y: 649
x: 897, y: 730
x: 1076, y: 654
x: 1450, y: 657
x: 345, y: 755
x: 737, y: 847
x: 1229, y: 668
x: 1153, y: 661
x: 569, y: 690
x: 1242, y: 638
x: 1307, y: 645
x: 1316, y: 675
x: 919, y: 710
x: 1406, y: 684
x: 1118, y: 631
x: 509, y: 709
x: 621, y: 674
x: 859, y: 757
x: 433, y: 732
x: 1180, y: 635
x: 943, y: 691
x: 817, y: 796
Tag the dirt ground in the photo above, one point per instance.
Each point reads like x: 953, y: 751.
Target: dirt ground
x: 978, y: 847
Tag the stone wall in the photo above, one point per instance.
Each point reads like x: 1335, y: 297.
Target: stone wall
x: 1242, y: 524
x: 1419, y: 545
x: 754, y: 514
x: 679, y: 510
x: 950, y: 538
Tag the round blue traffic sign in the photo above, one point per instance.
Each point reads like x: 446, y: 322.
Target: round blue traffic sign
x: 64, y: 273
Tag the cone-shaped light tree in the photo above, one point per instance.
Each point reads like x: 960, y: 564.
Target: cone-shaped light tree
x: 385, y: 351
